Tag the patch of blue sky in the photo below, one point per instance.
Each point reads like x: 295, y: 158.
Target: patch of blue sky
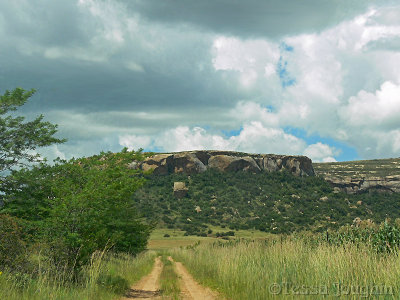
x: 270, y: 108
x: 234, y: 132
x: 152, y: 148
x: 347, y: 153
x: 285, y: 47
x: 285, y: 77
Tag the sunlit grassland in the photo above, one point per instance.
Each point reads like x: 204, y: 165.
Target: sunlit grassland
x: 107, y: 277
x: 257, y: 270
x: 176, y: 238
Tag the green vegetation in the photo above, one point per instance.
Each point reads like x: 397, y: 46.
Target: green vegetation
x: 292, y: 267
x: 75, y: 208
x: 77, y: 229
x: 58, y: 221
x: 66, y: 230
x: 20, y: 139
x: 382, y: 239
x: 275, y: 202
x: 106, y: 277
x: 359, y: 169
x: 169, y: 280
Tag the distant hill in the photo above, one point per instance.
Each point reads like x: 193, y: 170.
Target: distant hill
x: 360, y: 176
x: 269, y: 201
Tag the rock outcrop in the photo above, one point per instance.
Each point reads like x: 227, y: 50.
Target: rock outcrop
x: 350, y: 185
x: 352, y: 177
x: 192, y: 162
x: 180, y: 189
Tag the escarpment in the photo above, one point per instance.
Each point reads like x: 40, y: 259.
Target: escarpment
x: 192, y: 162
x: 350, y: 177
x: 353, y: 177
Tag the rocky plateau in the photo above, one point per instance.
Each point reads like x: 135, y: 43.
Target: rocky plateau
x: 192, y: 162
x: 348, y: 177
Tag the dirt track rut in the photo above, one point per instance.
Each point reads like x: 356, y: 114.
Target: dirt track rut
x: 190, y: 289
x: 148, y: 287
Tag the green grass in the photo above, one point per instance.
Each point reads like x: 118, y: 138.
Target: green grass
x: 241, y: 233
x: 176, y: 238
x: 251, y: 270
x: 107, y: 277
x: 169, y: 280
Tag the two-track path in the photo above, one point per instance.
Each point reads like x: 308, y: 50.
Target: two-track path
x: 149, y: 286
x: 190, y: 289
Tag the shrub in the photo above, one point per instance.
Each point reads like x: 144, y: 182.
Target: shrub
x: 114, y: 283
x: 81, y: 206
x: 12, y: 247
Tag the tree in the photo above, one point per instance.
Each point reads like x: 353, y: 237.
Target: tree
x: 79, y: 206
x: 19, y: 138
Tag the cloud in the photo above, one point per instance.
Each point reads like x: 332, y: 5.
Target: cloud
x: 253, y: 138
x: 320, y: 153
x: 343, y: 89
x: 153, y: 74
x: 135, y: 142
x: 380, y: 109
x: 253, y: 18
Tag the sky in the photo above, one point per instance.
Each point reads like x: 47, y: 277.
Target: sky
x: 319, y: 78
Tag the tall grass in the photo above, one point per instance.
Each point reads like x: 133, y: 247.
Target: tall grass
x: 292, y: 268
x: 169, y: 280
x: 106, y: 277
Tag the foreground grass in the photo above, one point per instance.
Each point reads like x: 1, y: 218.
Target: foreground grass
x: 169, y: 280
x: 107, y: 277
x: 262, y: 270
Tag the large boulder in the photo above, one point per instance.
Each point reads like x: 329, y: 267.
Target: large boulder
x: 180, y: 190
x: 233, y: 164
x: 159, y: 163
x: 187, y: 163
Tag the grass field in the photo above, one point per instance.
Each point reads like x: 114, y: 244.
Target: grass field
x: 177, y: 239
x: 107, y: 277
x: 292, y: 269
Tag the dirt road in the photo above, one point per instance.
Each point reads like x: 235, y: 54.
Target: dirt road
x: 190, y: 289
x: 148, y: 287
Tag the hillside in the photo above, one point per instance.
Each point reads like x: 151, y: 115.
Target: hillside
x: 359, y: 176
x: 276, y: 202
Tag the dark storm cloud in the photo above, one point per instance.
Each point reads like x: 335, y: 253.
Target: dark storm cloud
x: 253, y: 18
x: 88, y: 87
x: 50, y: 22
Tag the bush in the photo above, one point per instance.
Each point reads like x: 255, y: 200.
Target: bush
x: 114, y: 283
x: 166, y: 235
x: 12, y: 247
x: 81, y: 206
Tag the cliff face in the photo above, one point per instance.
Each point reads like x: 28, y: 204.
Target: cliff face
x: 349, y: 185
x: 191, y: 162
x: 382, y: 175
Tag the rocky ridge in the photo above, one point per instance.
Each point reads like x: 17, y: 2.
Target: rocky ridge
x: 192, y: 162
x: 382, y: 175
x: 358, y: 185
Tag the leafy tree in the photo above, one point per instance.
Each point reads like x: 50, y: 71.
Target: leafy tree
x: 18, y: 138
x: 80, y: 206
